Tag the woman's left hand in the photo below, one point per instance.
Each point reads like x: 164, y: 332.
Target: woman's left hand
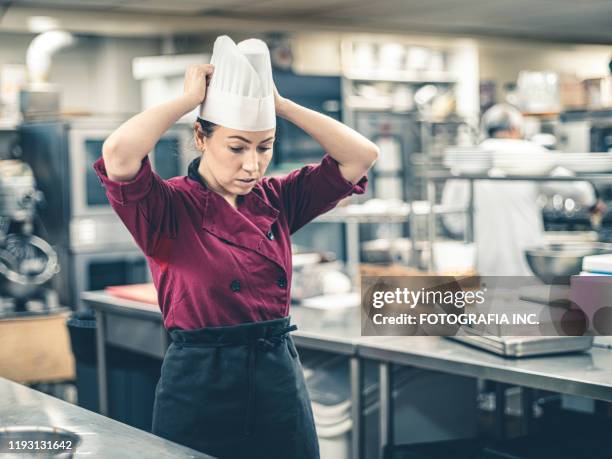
x: 279, y: 102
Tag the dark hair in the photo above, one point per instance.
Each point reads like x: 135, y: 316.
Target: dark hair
x: 207, y: 126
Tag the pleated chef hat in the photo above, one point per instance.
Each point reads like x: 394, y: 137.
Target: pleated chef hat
x: 240, y: 94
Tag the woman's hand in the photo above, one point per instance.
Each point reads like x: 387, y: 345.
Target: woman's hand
x: 125, y: 148
x: 279, y: 102
x: 197, y: 78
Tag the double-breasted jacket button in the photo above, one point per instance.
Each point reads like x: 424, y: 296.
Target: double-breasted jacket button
x: 282, y: 282
x: 270, y: 235
x: 235, y: 285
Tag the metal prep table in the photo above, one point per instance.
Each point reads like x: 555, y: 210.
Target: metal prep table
x: 138, y: 326
x: 101, y: 437
x: 587, y: 374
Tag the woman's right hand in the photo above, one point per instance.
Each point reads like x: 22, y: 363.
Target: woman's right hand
x: 197, y: 78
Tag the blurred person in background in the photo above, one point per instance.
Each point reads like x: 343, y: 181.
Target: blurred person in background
x: 507, y: 216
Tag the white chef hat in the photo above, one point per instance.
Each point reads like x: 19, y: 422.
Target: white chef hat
x: 240, y: 94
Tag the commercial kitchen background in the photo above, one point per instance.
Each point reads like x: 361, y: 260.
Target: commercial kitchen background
x: 414, y: 77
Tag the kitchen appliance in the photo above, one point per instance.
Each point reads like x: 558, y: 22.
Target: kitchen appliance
x: 319, y: 93
x: 397, y: 136
x: 27, y: 262
x: 556, y: 263
x: 585, y: 131
x: 18, y: 194
x: 94, y: 247
x: 86, y: 270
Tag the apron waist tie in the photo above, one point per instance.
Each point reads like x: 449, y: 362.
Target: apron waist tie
x: 270, y: 342
x: 265, y: 344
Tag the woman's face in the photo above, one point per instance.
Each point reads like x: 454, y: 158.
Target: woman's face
x: 234, y: 161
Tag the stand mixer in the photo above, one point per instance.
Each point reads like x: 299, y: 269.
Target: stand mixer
x: 27, y: 262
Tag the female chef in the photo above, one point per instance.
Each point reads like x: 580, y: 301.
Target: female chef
x: 218, y: 246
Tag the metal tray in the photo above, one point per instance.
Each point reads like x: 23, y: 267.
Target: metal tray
x: 525, y: 346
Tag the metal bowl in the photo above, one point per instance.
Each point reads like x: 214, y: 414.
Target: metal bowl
x: 556, y: 263
x: 37, y: 442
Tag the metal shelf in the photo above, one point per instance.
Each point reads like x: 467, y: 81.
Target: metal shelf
x: 438, y: 176
x: 401, y: 76
x: 442, y: 175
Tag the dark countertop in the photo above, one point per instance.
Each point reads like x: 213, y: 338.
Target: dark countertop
x: 101, y: 437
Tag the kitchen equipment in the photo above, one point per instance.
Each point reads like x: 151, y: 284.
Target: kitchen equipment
x: 18, y: 194
x: 555, y: 263
x: 63, y: 442
x: 27, y: 264
x: 320, y: 93
x: 94, y: 247
x: 61, y: 154
x: 397, y: 135
x: 585, y: 131
x: 85, y: 270
x: 525, y: 346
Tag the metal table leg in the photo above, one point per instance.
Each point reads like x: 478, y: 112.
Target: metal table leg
x: 352, y: 248
x: 527, y: 405
x: 386, y: 426
x: 101, y: 357
x: 431, y: 224
x: 500, y: 410
x: 469, y: 233
x: 356, y: 369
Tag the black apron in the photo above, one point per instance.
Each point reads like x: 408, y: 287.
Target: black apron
x: 236, y: 392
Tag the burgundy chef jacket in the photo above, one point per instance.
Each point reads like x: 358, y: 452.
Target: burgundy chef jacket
x: 215, y: 265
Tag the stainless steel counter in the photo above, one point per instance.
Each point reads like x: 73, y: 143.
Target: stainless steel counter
x: 101, y: 437
x: 136, y: 325
x: 588, y: 374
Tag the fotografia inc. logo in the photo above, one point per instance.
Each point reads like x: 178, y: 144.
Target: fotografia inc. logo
x: 449, y: 305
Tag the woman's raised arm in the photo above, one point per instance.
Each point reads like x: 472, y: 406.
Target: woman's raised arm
x: 355, y: 154
x: 125, y: 148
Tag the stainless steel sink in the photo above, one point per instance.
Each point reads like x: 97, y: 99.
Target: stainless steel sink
x: 37, y: 442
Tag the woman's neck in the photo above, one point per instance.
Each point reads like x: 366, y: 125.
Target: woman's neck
x: 213, y: 185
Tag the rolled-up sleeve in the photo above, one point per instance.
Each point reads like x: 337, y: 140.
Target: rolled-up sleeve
x: 144, y: 205
x: 315, y: 189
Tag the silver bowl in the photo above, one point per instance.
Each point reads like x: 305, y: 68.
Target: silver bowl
x: 556, y: 263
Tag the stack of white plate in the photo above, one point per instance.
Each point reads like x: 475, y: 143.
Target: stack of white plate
x: 527, y: 163
x: 467, y: 160
x: 585, y: 163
